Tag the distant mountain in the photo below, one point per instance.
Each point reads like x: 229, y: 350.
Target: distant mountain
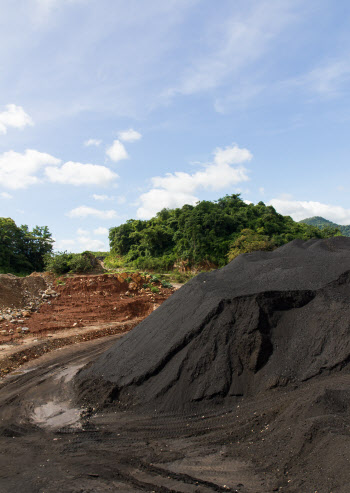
x: 321, y: 222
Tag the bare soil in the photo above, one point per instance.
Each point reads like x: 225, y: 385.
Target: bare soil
x: 83, y: 308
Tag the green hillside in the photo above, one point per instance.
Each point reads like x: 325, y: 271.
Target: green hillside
x: 321, y: 222
x: 207, y: 234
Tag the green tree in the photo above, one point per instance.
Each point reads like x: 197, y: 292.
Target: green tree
x: 250, y: 241
x: 22, y: 250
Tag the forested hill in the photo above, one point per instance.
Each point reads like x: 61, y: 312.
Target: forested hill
x: 321, y: 222
x: 207, y: 233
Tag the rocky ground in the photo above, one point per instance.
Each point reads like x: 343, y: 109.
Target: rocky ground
x: 40, y: 312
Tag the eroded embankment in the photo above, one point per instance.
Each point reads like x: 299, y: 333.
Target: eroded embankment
x: 78, y: 308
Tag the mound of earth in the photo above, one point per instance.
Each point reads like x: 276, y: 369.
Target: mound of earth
x: 21, y: 292
x: 267, y: 319
x: 75, y: 302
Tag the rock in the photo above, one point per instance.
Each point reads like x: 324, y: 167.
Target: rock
x: 50, y: 292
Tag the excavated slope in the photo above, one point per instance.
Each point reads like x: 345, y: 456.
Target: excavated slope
x: 266, y: 319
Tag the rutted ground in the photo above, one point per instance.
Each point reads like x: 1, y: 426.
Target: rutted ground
x: 40, y: 313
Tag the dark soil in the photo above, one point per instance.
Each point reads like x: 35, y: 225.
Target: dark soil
x: 269, y: 332
x: 263, y: 321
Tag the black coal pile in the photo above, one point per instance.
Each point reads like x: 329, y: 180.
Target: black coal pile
x: 266, y: 320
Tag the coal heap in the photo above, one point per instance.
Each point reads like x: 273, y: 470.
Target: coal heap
x: 265, y: 320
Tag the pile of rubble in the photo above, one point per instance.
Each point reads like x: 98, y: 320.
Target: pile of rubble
x: 41, y: 304
x: 20, y: 297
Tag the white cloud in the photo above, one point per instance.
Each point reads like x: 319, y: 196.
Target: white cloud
x: 82, y: 232
x: 80, y: 174
x: 5, y: 195
x: 156, y: 200
x: 178, y: 188
x: 87, y: 243
x: 236, y: 43
x: 130, y: 135
x: 80, y: 244
x: 231, y: 155
x: 85, y: 211
x: 101, y: 197
x: 299, y: 209
x: 117, y: 151
x: 327, y: 79
x: 101, y: 231
x: 63, y: 244
x: 14, y: 116
x: 19, y: 170
x: 92, y: 142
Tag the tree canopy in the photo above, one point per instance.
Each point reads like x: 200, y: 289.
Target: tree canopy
x: 22, y: 250
x: 206, y: 233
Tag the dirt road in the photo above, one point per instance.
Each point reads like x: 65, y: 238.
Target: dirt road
x: 48, y: 445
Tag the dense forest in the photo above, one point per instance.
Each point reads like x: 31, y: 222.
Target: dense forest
x: 321, y: 222
x: 22, y: 250
x: 207, y: 234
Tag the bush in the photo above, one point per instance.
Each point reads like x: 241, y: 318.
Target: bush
x: 58, y: 262
x: 250, y: 241
x: 80, y: 263
x: 166, y: 284
x: 63, y: 262
x: 114, y: 262
x: 154, y: 289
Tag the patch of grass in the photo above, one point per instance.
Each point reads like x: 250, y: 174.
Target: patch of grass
x: 154, y: 289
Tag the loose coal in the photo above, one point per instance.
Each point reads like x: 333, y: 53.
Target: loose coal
x: 267, y: 319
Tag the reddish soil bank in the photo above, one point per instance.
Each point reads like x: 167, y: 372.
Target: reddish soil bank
x: 84, y: 301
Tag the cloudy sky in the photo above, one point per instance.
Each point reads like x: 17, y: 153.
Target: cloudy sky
x: 114, y: 109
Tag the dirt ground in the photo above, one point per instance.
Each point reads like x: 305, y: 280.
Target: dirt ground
x: 75, y: 309
x: 48, y: 445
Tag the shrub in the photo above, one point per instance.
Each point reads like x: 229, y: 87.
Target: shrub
x: 63, y: 262
x: 166, y: 284
x: 80, y: 263
x: 154, y: 289
x: 58, y: 262
x: 250, y: 241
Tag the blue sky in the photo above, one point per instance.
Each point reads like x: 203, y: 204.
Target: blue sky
x: 114, y: 109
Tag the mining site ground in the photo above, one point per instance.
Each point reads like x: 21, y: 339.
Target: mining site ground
x: 77, y: 309
x: 48, y: 445
x: 238, y: 382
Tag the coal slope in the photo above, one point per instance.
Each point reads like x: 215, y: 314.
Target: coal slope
x: 267, y: 319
